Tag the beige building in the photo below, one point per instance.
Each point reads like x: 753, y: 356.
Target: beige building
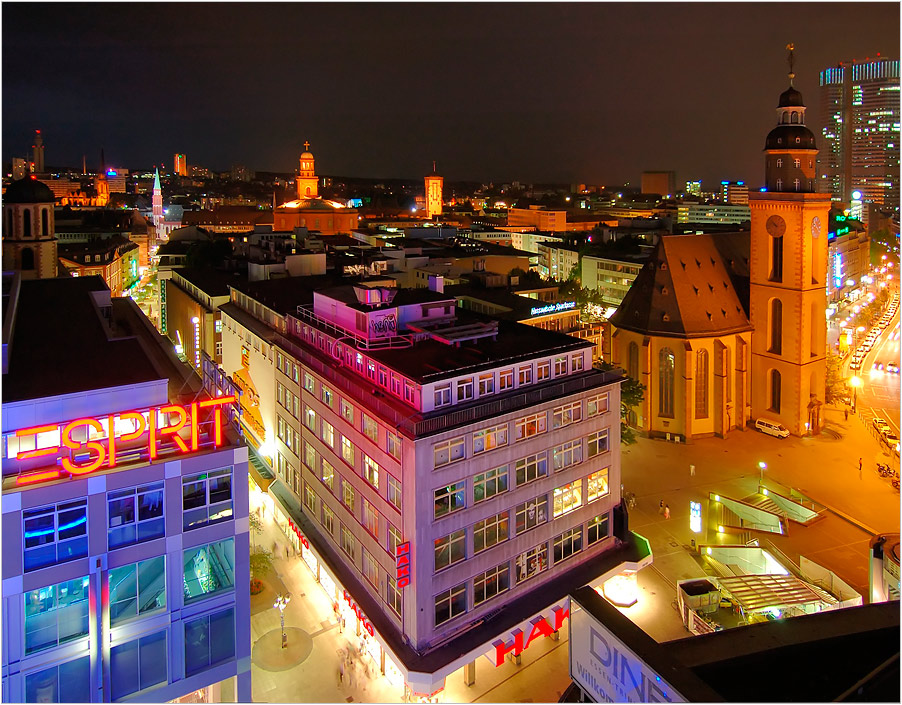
x: 29, y: 235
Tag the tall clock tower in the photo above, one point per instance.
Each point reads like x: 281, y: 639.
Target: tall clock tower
x: 433, y: 184
x: 788, y: 275
x: 307, y: 181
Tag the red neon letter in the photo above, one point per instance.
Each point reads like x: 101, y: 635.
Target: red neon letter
x: 502, y: 649
x: 37, y: 452
x: 140, y: 425
x: 111, y: 439
x: 152, y: 434
x: 217, y: 415
x: 194, y: 414
x: 68, y: 442
x: 540, y: 627
x: 560, y: 614
x: 173, y: 430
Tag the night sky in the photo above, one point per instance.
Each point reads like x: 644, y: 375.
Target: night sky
x: 591, y: 93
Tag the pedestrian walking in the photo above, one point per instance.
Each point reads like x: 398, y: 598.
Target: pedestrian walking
x: 667, y: 511
x: 847, y: 413
x: 287, y: 552
x: 275, y: 545
x: 661, y: 507
x: 691, y: 471
x: 341, y: 669
x: 859, y: 468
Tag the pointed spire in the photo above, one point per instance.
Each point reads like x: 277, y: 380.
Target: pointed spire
x: 433, y: 166
x: 102, y: 162
x: 791, y: 47
x: 156, y: 180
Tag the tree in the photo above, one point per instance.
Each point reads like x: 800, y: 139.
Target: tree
x: 261, y: 562
x: 632, y: 392
x: 834, y: 381
x: 255, y: 524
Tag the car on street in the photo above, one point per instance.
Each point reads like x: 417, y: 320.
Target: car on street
x: 892, y: 367
x: 878, y: 366
x: 855, y: 365
x: 880, y: 424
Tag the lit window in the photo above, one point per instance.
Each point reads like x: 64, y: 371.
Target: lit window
x: 393, y: 444
x: 525, y: 375
x: 209, y: 570
x: 567, y: 454
x: 56, y: 614
x: 371, y: 428
x: 486, y: 384
x: 465, y: 390
x: 598, y: 484
x: 327, y: 518
x: 505, y: 379
x: 137, y: 589
x: 309, y: 418
x: 55, y: 533
x: 371, y: 518
x: 560, y: 366
x: 567, y: 498
x: 370, y: 567
x: 543, y: 371
x: 393, y: 594
x: 394, y: 491
x: 442, y: 395
x: 489, y: 439
x: 393, y: 540
x: 348, y: 495
x: 347, y: 451
x: 576, y: 363
x: 309, y: 383
x: 348, y: 542
x: 347, y: 411
x: 327, y: 396
x: 328, y: 434
x: 531, y: 425
x: 371, y: 471
x: 206, y: 498
x: 310, y: 499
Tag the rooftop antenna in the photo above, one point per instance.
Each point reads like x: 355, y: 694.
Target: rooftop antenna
x: 791, y: 47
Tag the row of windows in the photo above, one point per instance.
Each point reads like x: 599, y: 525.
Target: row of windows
x: 487, y: 439
x: 451, y: 498
x: 486, y: 383
x: 58, y: 533
x: 495, y: 529
x: 455, y: 601
x: 138, y: 664
x: 57, y: 614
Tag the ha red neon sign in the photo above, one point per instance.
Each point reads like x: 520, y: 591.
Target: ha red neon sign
x: 540, y: 627
x: 105, y: 453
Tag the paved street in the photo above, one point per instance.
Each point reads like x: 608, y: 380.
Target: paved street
x: 824, y: 468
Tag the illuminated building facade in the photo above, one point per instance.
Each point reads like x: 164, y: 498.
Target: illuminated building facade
x: 37, y: 153
x: 432, y: 466
x: 662, y: 183
x: 860, y: 118
x: 311, y: 211
x: 115, y: 260
x: 29, y: 240
x: 157, y: 200
x: 728, y: 213
x: 180, y: 165
x: 610, y: 277
x: 125, y: 530
x: 433, y: 184
x: 788, y: 267
x: 735, y: 193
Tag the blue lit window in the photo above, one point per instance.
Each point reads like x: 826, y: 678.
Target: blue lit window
x: 56, y: 614
x: 137, y: 589
x: 206, y: 498
x: 55, y: 533
x: 209, y: 570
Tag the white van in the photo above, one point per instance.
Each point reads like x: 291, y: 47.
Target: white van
x: 773, y: 428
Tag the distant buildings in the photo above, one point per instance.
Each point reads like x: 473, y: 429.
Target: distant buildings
x: 662, y: 183
x: 37, y: 151
x: 735, y: 193
x: 713, y: 213
x: 860, y: 118
x: 180, y: 167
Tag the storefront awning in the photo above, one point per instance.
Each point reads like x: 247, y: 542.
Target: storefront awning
x: 755, y: 593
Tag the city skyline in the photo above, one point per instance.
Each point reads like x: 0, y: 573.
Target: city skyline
x: 569, y: 93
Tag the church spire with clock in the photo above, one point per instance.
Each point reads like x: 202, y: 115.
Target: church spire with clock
x: 788, y: 271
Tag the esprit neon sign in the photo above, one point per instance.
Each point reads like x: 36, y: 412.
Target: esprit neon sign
x: 540, y: 627
x: 157, y: 427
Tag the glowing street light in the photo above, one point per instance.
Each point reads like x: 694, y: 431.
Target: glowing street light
x: 280, y: 604
x: 762, y: 466
x: 856, y: 383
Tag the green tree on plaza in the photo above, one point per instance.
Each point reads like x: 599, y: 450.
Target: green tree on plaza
x: 632, y: 392
x: 834, y: 381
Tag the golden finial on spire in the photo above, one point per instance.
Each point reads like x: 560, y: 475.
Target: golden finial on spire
x: 791, y: 47
x: 307, y: 144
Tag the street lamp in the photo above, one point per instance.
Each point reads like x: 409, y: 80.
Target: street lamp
x: 280, y: 604
x: 856, y: 383
x: 762, y: 466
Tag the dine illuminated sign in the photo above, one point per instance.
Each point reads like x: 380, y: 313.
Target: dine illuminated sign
x: 156, y: 424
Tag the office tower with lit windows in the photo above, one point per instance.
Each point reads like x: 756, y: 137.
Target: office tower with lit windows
x: 445, y: 476
x: 124, y: 502
x: 860, y: 119
x: 181, y: 165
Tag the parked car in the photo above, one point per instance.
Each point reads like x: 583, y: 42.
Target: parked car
x: 880, y: 424
x: 772, y: 428
x: 892, y: 367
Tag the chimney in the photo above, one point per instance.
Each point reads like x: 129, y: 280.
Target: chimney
x: 437, y: 283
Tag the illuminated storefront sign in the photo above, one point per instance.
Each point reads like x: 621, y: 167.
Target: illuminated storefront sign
x: 303, y: 539
x: 540, y: 627
x: 552, y: 308
x: 402, y: 559
x: 360, y: 614
x: 695, y: 517
x: 86, y: 445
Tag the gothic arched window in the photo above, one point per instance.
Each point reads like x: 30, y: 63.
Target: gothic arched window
x: 776, y: 384
x: 27, y: 258
x: 26, y: 223
x: 701, y: 384
x: 776, y: 327
x: 666, y: 367
x: 779, y: 163
x: 44, y: 220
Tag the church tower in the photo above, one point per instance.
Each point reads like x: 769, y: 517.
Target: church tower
x: 29, y: 233
x: 433, y: 193
x: 307, y: 181
x: 37, y: 153
x: 157, y: 200
x: 788, y: 270
x: 101, y: 184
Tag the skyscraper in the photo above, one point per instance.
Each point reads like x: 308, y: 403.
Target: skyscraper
x: 860, y: 127
x: 433, y: 193
x: 181, y: 165
x: 38, y: 152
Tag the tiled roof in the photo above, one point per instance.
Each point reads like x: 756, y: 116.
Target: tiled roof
x: 688, y: 289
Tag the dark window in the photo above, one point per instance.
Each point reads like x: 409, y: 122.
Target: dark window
x: 775, y: 390
x: 27, y: 259
x: 701, y: 384
x: 776, y: 259
x: 209, y: 640
x: 67, y: 683
x: 138, y: 664
x: 26, y: 223
x: 135, y: 515
x: 776, y: 327
x: 45, y: 230
x: 666, y: 365
x: 633, y: 362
